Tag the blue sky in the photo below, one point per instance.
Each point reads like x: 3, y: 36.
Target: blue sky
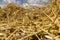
x: 20, y: 2
x: 31, y: 1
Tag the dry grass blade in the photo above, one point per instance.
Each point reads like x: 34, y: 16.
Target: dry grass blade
x: 41, y: 23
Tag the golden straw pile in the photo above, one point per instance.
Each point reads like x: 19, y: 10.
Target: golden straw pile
x: 17, y: 23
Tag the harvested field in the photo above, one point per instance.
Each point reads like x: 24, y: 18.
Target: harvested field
x: 18, y: 23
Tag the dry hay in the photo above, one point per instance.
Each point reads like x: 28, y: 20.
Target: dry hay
x: 17, y: 23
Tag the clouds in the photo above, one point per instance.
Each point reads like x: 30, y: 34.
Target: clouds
x: 32, y: 3
x: 23, y: 1
x: 37, y: 1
